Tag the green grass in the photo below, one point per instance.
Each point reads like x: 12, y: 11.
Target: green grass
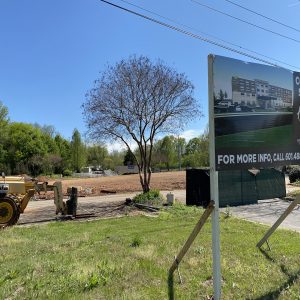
x: 272, y: 137
x: 128, y: 258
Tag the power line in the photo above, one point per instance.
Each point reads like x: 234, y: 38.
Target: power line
x: 190, y: 34
x: 263, y: 16
x: 244, y: 21
x: 215, y: 37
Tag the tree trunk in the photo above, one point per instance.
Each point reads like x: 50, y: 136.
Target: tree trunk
x: 144, y: 180
x: 146, y: 187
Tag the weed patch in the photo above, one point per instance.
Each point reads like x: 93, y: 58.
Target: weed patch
x: 136, y: 242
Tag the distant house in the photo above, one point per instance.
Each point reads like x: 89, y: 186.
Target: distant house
x: 92, y: 170
x: 86, y: 170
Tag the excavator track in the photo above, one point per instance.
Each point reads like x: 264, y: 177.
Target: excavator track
x: 9, y: 211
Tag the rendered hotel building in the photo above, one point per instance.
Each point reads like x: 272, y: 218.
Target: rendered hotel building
x: 260, y: 93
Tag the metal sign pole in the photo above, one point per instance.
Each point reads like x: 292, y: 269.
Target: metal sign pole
x: 214, y: 188
x: 216, y: 238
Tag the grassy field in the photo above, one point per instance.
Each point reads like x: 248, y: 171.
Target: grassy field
x: 128, y: 258
x: 272, y: 137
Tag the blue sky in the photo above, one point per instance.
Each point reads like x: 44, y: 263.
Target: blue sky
x: 52, y: 51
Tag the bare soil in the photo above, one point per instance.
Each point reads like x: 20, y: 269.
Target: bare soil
x: 167, y: 181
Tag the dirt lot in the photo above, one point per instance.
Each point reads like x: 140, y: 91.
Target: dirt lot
x: 109, y: 204
x: 127, y: 183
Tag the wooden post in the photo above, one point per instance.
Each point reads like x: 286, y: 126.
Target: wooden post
x: 58, y: 198
x: 192, y: 237
x: 279, y: 221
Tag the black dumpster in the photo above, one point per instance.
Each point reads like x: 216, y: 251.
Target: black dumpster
x: 197, y: 187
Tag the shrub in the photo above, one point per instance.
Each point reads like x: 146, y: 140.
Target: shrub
x: 153, y: 197
x: 294, y: 175
x: 67, y: 172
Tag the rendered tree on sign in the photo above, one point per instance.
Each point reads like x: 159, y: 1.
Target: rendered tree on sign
x: 135, y: 100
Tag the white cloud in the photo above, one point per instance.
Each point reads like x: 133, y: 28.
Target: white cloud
x: 191, y: 133
x: 119, y: 146
x: 115, y: 146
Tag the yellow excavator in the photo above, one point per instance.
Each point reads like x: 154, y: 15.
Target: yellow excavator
x: 16, y: 191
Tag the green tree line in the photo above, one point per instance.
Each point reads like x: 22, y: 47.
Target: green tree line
x: 34, y: 149
x: 172, y: 152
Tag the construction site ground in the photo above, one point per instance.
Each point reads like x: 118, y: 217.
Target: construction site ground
x: 89, y: 208
x: 103, y: 197
x: 111, y: 203
x: 127, y: 183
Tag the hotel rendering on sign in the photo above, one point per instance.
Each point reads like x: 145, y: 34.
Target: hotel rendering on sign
x: 256, y: 111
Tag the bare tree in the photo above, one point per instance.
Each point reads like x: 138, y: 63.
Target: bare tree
x: 135, y: 100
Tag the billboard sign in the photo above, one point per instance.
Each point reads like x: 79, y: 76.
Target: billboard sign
x: 256, y: 114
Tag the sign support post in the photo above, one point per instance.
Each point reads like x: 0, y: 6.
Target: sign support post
x: 216, y: 238
x: 214, y: 188
x: 279, y: 221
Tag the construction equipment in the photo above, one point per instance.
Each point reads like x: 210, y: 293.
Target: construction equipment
x: 16, y: 191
